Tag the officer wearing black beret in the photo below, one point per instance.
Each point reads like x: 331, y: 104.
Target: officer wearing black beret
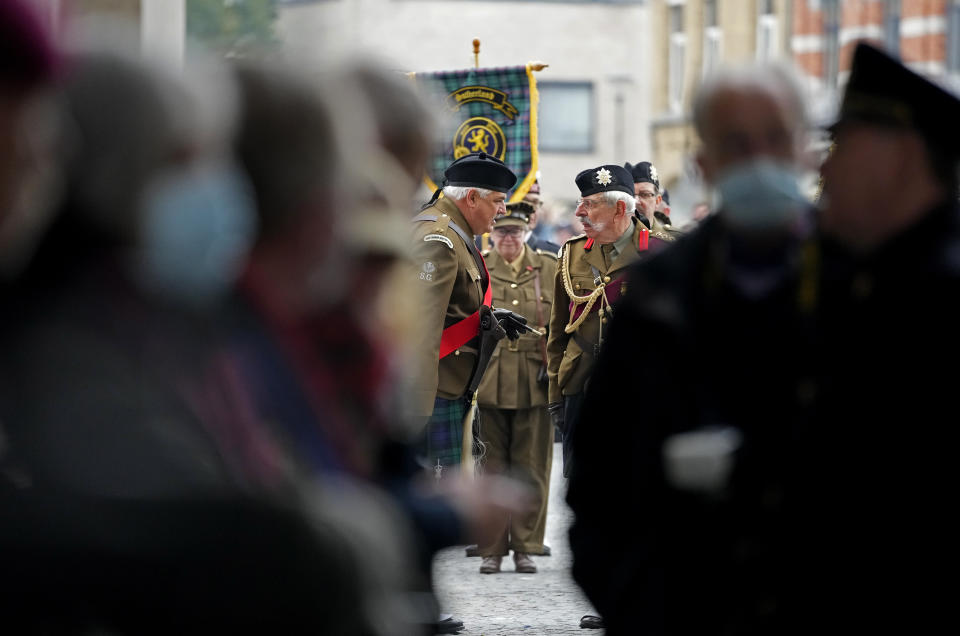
x: 646, y: 187
x: 589, y: 280
x: 455, y: 290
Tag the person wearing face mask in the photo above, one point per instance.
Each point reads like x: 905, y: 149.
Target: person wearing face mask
x: 711, y: 339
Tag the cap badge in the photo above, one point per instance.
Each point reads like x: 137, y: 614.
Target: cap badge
x: 603, y: 176
x: 653, y: 173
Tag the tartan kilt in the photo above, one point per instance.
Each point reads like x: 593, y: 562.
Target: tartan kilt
x: 444, y: 434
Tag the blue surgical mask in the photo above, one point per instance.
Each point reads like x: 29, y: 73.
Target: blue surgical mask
x: 761, y: 195
x: 197, y: 227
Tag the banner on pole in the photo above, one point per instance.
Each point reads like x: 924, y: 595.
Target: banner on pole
x: 491, y: 110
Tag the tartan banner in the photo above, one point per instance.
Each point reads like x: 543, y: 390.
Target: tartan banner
x: 491, y: 110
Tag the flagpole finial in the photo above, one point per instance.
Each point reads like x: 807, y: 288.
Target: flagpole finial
x: 476, y: 53
x: 538, y: 66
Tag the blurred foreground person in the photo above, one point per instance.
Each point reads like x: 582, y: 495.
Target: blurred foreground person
x: 891, y: 265
x: 121, y: 508
x: 516, y: 432
x: 29, y: 132
x: 333, y: 204
x: 709, y: 335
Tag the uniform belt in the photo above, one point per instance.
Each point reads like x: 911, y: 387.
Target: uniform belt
x: 586, y: 347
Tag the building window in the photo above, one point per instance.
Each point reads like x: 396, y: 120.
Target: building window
x: 676, y: 58
x: 831, y: 42
x: 767, y: 31
x: 953, y: 37
x: 891, y: 26
x: 566, y: 117
x: 712, y: 37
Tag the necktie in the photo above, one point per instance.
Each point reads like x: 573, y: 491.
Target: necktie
x: 607, y: 251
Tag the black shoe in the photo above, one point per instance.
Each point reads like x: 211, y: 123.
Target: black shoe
x: 546, y: 551
x: 473, y: 551
x: 447, y: 624
x: 589, y: 621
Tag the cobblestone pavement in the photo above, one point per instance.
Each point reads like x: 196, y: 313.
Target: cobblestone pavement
x: 548, y: 602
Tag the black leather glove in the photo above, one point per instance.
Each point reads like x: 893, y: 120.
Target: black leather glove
x: 513, y: 323
x: 556, y: 411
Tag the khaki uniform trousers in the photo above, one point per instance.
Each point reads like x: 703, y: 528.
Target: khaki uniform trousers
x: 518, y: 443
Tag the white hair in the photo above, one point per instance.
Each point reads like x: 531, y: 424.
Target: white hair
x: 777, y: 80
x: 457, y: 193
x: 612, y: 196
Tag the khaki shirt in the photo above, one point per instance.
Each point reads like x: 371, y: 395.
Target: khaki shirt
x: 452, y: 286
x: 510, y: 381
x: 570, y: 356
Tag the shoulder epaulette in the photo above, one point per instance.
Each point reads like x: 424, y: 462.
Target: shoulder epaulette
x: 546, y: 253
x: 439, y: 224
x: 663, y: 236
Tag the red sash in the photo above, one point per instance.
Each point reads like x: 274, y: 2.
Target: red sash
x: 462, y: 332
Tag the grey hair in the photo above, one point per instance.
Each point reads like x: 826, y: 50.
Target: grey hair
x: 777, y: 80
x: 456, y: 193
x: 612, y: 196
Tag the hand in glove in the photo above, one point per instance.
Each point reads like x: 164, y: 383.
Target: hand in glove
x: 513, y: 323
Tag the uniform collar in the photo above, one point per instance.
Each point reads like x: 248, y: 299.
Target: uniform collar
x: 520, y: 264
x: 622, y: 244
x: 448, y: 207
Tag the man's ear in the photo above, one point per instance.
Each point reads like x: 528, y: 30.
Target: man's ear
x: 621, y: 208
x: 473, y: 197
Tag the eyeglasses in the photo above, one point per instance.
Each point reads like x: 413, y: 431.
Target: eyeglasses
x: 589, y: 204
x: 516, y: 230
x: 646, y: 195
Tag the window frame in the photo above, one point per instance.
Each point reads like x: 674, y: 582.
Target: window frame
x: 543, y: 145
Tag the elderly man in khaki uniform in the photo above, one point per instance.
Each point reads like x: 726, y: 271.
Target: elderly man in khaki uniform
x: 589, y: 280
x: 455, y: 288
x: 516, y: 432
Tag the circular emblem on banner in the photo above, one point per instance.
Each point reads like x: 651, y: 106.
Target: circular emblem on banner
x: 479, y: 134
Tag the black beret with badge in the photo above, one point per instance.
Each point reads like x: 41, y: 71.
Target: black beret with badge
x: 607, y: 178
x: 882, y: 91
x: 644, y: 172
x: 518, y: 213
x: 480, y: 170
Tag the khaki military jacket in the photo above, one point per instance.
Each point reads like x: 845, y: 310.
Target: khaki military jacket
x: 452, y: 286
x: 570, y: 356
x: 510, y: 381
x: 662, y: 232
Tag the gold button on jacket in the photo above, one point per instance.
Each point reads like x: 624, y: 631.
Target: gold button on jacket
x: 510, y: 381
x: 569, y: 362
x: 451, y: 289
